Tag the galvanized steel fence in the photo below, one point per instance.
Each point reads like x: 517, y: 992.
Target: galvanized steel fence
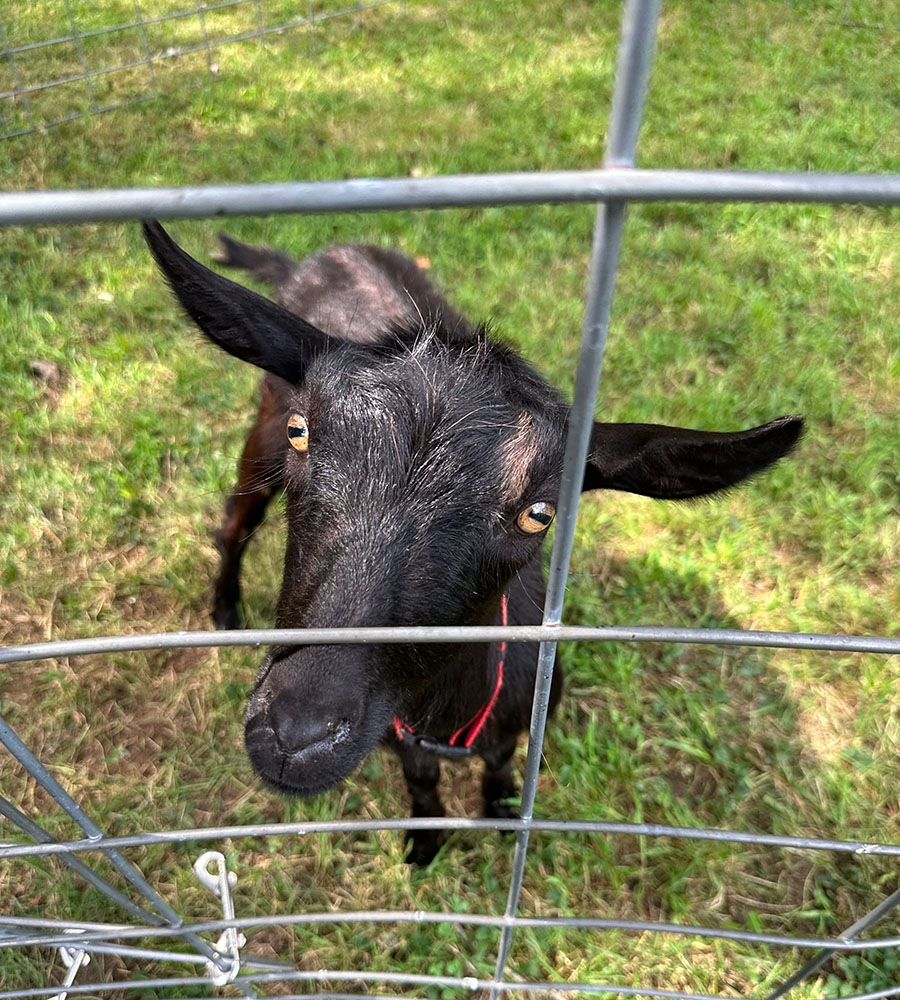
x: 89, y: 65
x: 224, y: 961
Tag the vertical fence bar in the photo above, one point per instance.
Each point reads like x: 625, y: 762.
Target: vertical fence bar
x: 145, y: 45
x: 259, y: 23
x: 201, y: 10
x: 76, y: 37
x: 632, y: 75
x: 20, y: 90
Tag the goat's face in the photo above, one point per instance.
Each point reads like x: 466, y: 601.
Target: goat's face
x: 421, y: 474
x: 419, y: 478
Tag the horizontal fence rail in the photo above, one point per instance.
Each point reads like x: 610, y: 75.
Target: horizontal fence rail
x: 467, y: 983
x: 810, y: 641
x: 309, y: 827
x: 463, y: 191
x: 102, y: 933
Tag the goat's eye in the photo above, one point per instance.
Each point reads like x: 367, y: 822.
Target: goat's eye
x: 537, y: 517
x: 298, y: 432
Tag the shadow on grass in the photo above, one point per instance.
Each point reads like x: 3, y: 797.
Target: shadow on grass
x: 694, y: 736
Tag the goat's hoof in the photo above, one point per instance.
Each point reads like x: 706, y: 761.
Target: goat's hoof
x: 226, y: 617
x: 424, y: 846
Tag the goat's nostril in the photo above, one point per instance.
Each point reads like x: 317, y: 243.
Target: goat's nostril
x: 295, y: 730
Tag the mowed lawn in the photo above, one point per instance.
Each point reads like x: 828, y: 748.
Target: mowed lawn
x: 113, y: 475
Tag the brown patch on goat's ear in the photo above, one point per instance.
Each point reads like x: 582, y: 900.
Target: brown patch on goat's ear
x: 517, y: 454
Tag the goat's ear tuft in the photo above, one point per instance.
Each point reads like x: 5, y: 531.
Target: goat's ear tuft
x: 249, y: 326
x: 671, y: 463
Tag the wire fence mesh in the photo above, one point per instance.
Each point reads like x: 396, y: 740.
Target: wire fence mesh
x: 76, y: 58
x: 218, y: 946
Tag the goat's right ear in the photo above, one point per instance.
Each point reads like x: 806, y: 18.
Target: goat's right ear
x: 672, y: 463
x: 249, y: 326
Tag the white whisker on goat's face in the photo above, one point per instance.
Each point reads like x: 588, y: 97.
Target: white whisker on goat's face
x: 420, y: 462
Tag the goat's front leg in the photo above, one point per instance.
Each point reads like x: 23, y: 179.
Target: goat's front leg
x: 259, y: 478
x: 243, y: 514
x: 497, y: 784
x: 422, y: 771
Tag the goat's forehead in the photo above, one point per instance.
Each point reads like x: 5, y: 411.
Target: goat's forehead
x: 422, y: 388
x: 456, y: 414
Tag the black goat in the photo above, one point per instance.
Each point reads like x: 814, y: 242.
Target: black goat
x: 421, y: 462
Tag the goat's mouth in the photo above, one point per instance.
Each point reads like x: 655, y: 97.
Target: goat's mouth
x: 306, y: 770
x: 331, y: 753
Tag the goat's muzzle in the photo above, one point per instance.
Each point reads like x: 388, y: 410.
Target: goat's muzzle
x: 313, y: 717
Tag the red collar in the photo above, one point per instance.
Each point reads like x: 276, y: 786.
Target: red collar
x: 460, y: 743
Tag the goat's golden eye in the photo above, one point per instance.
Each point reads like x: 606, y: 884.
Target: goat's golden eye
x: 537, y: 517
x: 298, y: 432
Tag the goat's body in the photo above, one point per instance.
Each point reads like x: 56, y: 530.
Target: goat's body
x: 351, y: 291
x: 421, y: 462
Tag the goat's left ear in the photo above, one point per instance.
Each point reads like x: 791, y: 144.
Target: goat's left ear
x: 671, y: 463
x: 249, y: 326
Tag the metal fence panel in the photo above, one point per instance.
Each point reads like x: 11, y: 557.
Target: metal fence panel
x: 94, y: 66
x: 613, y: 186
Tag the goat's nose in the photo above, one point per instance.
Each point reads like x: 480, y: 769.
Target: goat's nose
x: 295, y: 730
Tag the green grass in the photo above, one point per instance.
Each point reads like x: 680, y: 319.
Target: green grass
x: 112, y: 481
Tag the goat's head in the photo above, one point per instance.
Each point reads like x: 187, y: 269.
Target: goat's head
x: 421, y: 474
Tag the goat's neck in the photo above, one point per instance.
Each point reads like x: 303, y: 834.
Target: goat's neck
x: 463, y: 682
